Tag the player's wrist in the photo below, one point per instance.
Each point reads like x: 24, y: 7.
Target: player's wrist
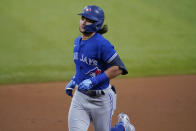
x: 99, y: 79
x: 71, y: 85
x: 73, y: 78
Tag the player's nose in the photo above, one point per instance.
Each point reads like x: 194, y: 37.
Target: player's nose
x: 84, y: 22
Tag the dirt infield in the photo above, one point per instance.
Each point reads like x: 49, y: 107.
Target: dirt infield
x: 154, y: 104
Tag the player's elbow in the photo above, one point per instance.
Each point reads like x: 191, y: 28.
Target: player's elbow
x: 113, y: 71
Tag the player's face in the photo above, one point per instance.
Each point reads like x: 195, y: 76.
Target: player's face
x: 84, y: 21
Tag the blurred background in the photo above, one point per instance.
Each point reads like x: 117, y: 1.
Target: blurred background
x: 153, y: 37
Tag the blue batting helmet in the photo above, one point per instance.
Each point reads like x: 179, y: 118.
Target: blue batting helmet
x: 94, y: 13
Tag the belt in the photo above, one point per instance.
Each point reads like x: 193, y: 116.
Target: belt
x: 92, y: 93
x: 96, y: 93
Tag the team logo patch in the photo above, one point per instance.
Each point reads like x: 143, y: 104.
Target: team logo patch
x: 88, y: 9
x: 94, y: 72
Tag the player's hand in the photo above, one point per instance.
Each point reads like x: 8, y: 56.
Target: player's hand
x: 69, y: 88
x: 85, y: 85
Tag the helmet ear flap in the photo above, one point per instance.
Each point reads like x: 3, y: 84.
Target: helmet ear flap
x: 94, y: 27
x: 91, y: 28
x: 99, y: 25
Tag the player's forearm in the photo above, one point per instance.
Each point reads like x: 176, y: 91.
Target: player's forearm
x: 106, y: 75
x: 113, y: 72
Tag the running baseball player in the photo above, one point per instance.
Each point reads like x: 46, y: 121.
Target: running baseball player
x: 97, y: 62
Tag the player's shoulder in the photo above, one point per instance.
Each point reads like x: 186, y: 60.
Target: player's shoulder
x: 101, y: 39
x: 77, y: 38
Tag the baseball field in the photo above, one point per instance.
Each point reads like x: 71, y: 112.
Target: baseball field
x: 155, y: 39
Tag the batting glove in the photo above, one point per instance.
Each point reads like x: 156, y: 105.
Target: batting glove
x: 69, y: 88
x: 85, y: 85
x: 94, y: 81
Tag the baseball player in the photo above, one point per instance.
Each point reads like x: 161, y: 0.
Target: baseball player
x: 97, y: 63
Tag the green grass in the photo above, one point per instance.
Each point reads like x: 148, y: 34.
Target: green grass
x: 152, y: 37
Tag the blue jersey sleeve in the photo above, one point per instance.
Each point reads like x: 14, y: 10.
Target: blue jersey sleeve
x: 108, y: 52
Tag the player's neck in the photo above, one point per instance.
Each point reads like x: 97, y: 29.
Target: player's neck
x: 86, y: 36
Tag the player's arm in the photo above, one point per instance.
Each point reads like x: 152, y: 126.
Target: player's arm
x: 113, y: 72
x: 117, y: 68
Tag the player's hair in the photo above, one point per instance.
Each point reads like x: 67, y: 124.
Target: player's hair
x: 103, y: 30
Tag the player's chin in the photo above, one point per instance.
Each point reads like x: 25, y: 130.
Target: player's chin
x: 82, y: 30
